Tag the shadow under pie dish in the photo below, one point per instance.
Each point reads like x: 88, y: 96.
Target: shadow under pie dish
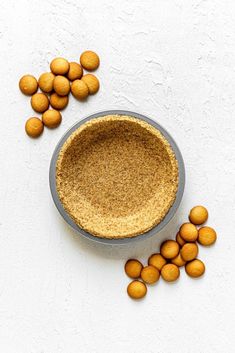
x: 117, y: 176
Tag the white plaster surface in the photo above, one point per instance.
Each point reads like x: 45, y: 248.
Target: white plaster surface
x: 175, y: 61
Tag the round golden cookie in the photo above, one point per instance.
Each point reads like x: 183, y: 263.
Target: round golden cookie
x: 45, y: 81
x: 195, y: 268
x: 136, y: 290
x: 79, y: 89
x: 58, y: 102
x: 51, y: 118
x: 92, y: 83
x: 188, y: 232
x: 59, y: 66
x: 89, y: 60
x: 75, y: 71
x: 189, y: 251
x: 39, y: 102
x: 169, y: 249
x: 157, y: 260
x: 178, y: 260
x: 61, y: 85
x: 170, y: 272
x: 34, y: 127
x: 179, y: 239
x: 150, y: 274
x: 206, y: 236
x: 198, y: 215
x: 133, y: 268
x: 28, y: 85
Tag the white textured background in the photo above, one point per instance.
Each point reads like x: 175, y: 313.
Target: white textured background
x: 175, y: 61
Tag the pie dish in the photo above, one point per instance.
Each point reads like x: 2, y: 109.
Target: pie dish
x: 115, y: 176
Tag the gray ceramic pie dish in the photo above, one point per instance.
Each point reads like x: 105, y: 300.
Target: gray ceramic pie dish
x: 154, y: 230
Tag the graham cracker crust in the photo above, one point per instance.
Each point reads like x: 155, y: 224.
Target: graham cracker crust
x: 117, y: 176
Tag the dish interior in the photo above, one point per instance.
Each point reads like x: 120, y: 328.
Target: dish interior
x: 116, y: 176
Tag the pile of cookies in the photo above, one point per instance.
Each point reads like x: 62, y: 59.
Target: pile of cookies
x: 173, y: 254
x: 55, y: 87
